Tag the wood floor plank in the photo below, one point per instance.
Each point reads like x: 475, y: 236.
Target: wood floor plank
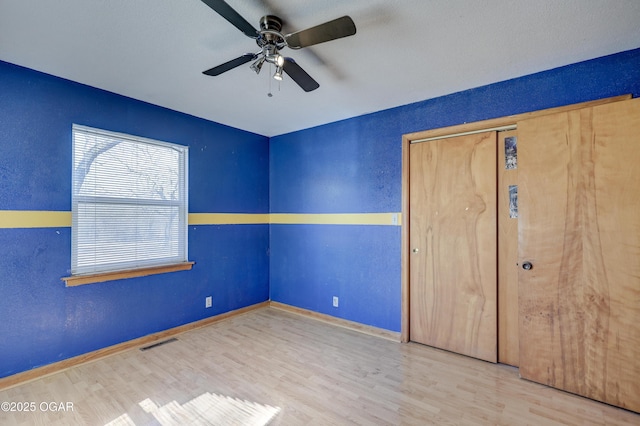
x: 315, y: 373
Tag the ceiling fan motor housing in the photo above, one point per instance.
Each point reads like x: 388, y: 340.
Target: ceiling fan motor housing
x: 271, y: 22
x: 270, y: 27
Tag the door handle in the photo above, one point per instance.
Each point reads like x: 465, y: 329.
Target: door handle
x: 415, y: 250
x: 527, y: 266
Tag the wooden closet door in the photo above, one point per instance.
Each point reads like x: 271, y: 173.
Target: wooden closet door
x: 579, y: 227
x: 453, y: 273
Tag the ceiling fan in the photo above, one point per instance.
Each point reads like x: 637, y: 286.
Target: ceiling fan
x: 271, y: 40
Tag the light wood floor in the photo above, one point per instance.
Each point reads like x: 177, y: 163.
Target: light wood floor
x: 315, y: 373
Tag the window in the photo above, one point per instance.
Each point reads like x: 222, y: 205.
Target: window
x: 129, y: 202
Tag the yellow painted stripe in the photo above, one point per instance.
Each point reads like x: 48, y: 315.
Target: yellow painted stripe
x: 56, y: 219
x: 34, y: 219
x: 336, y: 218
x: 228, y: 218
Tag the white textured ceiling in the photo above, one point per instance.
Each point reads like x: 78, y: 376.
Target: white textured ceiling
x: 404, y: 51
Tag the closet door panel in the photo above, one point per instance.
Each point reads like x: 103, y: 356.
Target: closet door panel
x: 453, y: 272
x: 579, y: 229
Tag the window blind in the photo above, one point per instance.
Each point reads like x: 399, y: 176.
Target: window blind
x: 129, y: 202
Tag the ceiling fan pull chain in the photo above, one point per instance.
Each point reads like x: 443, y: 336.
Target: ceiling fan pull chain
x: 269, y: 94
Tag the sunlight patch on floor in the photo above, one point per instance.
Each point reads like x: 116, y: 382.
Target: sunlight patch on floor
x: 206, y: 409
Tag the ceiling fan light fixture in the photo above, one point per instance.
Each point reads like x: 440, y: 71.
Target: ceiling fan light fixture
x: 257, y: 65
x: 278, y: 74
x: 274, y: 58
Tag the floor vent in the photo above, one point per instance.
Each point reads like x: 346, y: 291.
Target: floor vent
x: 155, y: 345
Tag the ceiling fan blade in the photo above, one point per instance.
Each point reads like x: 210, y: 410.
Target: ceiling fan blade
x: 228, y: 13
x: 299, y: 75
x: 230, y: 65
x: 338, y: 28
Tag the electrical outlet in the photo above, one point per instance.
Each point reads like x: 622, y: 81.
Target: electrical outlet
x: 208, y: 301
x: 335, y: 301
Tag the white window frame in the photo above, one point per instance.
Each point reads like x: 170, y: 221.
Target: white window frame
x: 141, y: 259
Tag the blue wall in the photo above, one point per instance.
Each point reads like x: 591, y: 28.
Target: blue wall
x: 355, y: 166
x: 42, y: 321
x: 351, y: 166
